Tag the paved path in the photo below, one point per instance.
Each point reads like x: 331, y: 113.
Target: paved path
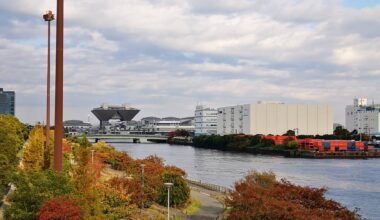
x: 210, y: 208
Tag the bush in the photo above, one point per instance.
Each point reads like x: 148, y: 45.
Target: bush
x: 179, y: 192
x: 32, y: 190
x: 60, y: 208
x: 261, y: 196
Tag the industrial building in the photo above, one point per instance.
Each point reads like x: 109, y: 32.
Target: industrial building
x: 115, y: 112
x: 205, y: 120
x: 7, y: 102
x: 275, y: 118
x: 363, y: 117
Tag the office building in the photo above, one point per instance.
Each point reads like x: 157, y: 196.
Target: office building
x: 275, y: 118
x: 363, y: 117
x: 7, y: 102
x: 205, y: 120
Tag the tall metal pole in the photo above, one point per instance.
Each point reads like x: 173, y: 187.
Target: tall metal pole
x: 168, y: 203
x: 58, y: 131
x: 49, y: 16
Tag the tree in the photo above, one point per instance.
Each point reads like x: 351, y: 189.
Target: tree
x: 180, y: 191
x: 34, y: 156
x: 12, y: 137
x: 84, y: 184
x: 60, y: 208
x: 290, y: 133
x: 32, y: 190
x: 6, y: 170
x: 261, y: 196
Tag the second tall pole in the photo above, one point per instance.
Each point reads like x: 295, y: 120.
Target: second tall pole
x: 58, y: 127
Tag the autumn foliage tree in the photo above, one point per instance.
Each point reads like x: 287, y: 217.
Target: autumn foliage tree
x: 60, y: 208
x: 261, y: 196
x: 12, y: 136
x: 34, y: 157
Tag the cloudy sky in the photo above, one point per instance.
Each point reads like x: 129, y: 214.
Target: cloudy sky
x: 165, y: 56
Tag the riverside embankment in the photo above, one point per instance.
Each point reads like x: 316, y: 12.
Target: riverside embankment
x: 354, y: 183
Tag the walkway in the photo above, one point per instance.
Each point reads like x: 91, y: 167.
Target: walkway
x: 210, y: 208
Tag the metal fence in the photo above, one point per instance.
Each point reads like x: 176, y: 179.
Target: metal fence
x: 209, y: 186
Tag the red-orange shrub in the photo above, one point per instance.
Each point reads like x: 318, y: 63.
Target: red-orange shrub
x: 260, y: 196
x: 60, y: 208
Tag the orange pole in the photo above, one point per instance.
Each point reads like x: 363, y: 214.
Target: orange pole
x: 58, y: 131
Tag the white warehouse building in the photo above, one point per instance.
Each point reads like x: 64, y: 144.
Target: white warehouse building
x: 275, y: 118
x: 205, y: 120
x: 363, y: 117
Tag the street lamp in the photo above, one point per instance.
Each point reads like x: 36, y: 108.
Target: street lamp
x: 142, y: 183
x: 168, y: 185
x: 49, y: 16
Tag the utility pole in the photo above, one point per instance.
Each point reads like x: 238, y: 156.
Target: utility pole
x: 58, y: 131
x: 49, y: 16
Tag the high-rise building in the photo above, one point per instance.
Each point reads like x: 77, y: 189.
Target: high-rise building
x: 276, y: 118
x: 363, y: 117
x: 7, y: 102
x: 205, y: 120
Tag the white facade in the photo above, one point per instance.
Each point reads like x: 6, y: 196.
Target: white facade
x: 205, y: 120
x: 362, y: 117
x: 275, y: 118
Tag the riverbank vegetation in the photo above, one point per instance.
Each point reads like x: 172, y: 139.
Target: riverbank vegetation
x: 261, y: 196
x: 83, y: 190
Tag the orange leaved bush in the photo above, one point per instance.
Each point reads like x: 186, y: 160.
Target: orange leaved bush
x: 261, y: 196
x: 60, y: 208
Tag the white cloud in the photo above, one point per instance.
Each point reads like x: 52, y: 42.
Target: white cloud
x: 167, y: 55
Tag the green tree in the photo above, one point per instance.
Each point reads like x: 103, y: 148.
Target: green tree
x: 179, y: 192
x: 32, y: 190
x: 6, y: 170
x: 12, y: 136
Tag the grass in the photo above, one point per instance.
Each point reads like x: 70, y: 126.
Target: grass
x: 192, y: 207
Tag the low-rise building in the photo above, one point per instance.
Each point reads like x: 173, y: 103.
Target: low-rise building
x: 275, y: 118
x: 205, y: 120
x: 76, y: 127
x: 167, y: 124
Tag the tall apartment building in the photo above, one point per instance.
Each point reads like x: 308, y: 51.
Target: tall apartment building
x: 363, y: 117
x: 7, y: 102
x: 205, y: 120
x: 275, y: 118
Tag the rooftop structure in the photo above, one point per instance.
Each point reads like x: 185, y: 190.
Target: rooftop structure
x: 119, y: 112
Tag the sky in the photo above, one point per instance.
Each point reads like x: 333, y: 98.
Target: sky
x: 164, y: 57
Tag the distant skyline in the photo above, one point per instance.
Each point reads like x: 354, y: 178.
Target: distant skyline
x: 164, y: 57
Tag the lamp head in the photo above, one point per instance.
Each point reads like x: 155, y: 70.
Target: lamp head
x: 49, y: 16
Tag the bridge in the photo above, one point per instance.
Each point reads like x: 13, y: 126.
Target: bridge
x: 127, y: 138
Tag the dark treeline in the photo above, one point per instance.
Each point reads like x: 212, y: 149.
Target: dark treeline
x: 240, y: 142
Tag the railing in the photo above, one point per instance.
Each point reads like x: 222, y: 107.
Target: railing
x: 209, y: 186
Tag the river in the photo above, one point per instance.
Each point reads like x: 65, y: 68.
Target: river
x: 354, y: 183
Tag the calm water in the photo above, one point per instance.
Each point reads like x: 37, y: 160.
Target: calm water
x: 354, y: 183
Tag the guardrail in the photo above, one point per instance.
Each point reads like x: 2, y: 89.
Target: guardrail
x: 209, y: 186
